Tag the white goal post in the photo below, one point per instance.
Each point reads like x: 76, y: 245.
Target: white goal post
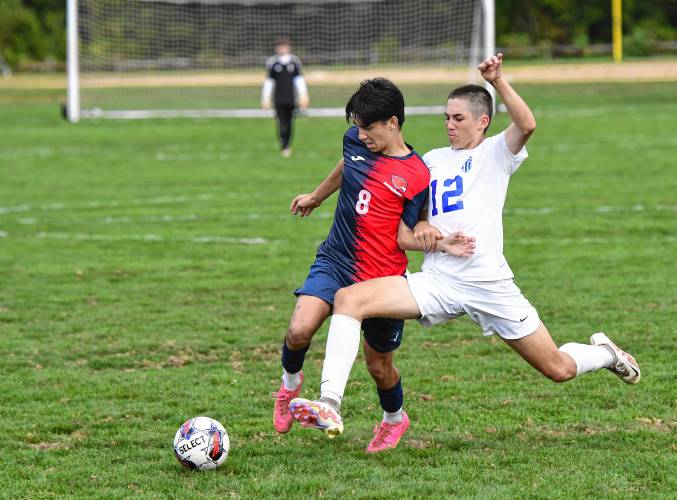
x: 205, y: 58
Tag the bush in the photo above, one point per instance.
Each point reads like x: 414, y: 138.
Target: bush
x: 20, y: 35
x: 641, y: 42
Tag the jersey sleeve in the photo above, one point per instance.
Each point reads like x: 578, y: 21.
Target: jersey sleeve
x: 413, y: 207
x: 269, y: 67
x: 297, y: 65
x: 508, y: 161
x: 426, y: 158
x: 350, y: 139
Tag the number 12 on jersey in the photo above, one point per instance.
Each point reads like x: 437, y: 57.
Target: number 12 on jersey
x: 456, y: 185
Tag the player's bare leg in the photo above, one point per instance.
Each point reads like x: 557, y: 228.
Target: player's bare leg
x: 572, y: 359
x: 307, y: 318
x: 380, y: 366
x: 539, y: 350
x: 388, y: 297
x: 309, y: 314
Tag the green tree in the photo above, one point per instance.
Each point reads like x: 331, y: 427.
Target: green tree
x: 582, y: 21
x: 21, y: 37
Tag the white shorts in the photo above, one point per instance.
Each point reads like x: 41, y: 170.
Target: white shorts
x: 497, y: 306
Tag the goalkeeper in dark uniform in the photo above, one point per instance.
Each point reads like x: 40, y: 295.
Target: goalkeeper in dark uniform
x: 284, y: 88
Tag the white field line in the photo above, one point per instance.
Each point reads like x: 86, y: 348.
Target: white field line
x: 591, y: 111
x: 589, y: 241
x: 638, y: 207
x: 191, y: 217
x: 329, y: 215
x: 153, y: 238
x: 148, y: 238
x: 157, y: 200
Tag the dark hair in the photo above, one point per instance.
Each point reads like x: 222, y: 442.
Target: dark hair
x: 282, y: 40
x: 478, y: 97
x: 376, y: 100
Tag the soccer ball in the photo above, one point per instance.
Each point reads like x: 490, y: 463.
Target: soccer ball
x: 201, y: 443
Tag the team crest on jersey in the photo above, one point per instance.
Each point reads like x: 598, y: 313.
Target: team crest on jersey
x: 467, y: 165
x: 399, y: 183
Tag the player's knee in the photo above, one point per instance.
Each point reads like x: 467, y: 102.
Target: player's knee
x: 559, y: 372
x: 380, y: 370
x: 345, y: 302
x: 299, y: 335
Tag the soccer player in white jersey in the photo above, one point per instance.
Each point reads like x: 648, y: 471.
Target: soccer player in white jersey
x: 468, y: 185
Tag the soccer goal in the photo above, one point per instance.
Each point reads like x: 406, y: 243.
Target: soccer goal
x: 205, y: 58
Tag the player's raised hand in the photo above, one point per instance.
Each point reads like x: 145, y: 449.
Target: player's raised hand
x: 457, y: 244
x: 427, y: 235
x: 490, y: 68
x: 303, y: 204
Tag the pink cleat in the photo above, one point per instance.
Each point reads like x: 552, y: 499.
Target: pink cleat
x: 387, y: 435
x: 317, y: 415
x: 282, y: 418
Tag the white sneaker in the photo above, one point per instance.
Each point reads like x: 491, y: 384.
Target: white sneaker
x: 624, y: 365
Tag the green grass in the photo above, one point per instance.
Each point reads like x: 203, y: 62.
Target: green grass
x: 131, y: 300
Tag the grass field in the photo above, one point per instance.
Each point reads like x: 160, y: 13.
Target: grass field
x: 146, y: 271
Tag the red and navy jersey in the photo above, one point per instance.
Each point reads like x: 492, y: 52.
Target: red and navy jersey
x: 377, y: 191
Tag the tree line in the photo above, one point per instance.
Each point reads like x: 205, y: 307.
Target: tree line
x: 33, y: 31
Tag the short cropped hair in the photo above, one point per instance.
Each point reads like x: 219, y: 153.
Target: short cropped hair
x: 376, y: 100
x: 478, y: 97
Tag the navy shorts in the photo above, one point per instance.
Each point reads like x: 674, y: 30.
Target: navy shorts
x: 324, y: 280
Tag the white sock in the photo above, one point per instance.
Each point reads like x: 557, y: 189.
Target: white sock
x: 393, y: 418
x: 588, y: 358
x: 291, y: 380
x: 343, y: 342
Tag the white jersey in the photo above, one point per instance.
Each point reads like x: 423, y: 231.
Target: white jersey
x: 467, y: 193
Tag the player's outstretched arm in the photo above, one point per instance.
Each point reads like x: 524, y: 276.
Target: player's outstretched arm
x: 303, y: 204
x: 523, y: 122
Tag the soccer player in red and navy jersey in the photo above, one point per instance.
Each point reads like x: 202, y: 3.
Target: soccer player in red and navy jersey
x: 383, y: 188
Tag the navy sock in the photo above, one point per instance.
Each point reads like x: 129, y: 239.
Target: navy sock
x: 391, y: 399
x: 292, y: 361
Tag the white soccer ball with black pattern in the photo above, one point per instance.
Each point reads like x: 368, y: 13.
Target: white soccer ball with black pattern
x: 201, y: 443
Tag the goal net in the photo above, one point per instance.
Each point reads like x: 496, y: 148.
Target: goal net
x: 155, y: 58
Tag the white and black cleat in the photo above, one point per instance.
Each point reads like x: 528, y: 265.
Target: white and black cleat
x: 624, y: 365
